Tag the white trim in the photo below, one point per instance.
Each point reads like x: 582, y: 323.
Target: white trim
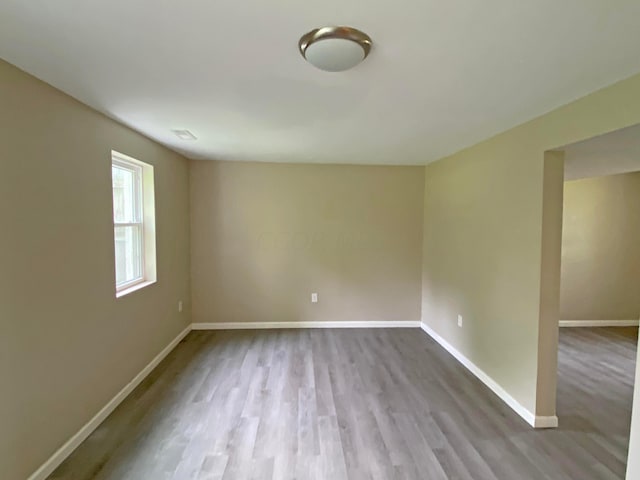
x: 144, y: 221
x: 546, y: 422
x: 134, y: 167
x: 277, y: 325
x: 126, y: 159
x: 127, y: 224
x: 530, y: 418
x: 599, y: 323
x: 65, y: 450
x: 124, y: 286
x: 134, y: 287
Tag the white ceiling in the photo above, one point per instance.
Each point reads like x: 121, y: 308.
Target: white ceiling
x: 609, y: 154
x: 442, y: 75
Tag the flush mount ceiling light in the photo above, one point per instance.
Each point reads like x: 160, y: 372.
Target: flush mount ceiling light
x: 184, y: 134
x: 335, y: 49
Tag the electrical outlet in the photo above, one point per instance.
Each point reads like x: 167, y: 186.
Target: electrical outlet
x: 460, y: 321
x: 180, y: 306
x: 314, y: 298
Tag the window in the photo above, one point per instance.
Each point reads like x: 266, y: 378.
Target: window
x: 133, y: 223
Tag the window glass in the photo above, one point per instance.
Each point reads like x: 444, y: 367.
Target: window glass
x: 128, y: 254
x: 124, y: 194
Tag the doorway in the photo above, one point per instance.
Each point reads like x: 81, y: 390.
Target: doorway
x: 599, y: 301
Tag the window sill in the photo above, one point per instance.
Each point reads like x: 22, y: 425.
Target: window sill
x: 133, y: 288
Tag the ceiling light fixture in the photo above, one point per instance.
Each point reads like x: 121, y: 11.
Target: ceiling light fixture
x: 184, y: 134
x: 335, y: 49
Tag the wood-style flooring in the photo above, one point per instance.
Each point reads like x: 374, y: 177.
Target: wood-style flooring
x: 358, y: 404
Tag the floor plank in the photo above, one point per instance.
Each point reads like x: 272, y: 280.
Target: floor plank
x: 358, y: 404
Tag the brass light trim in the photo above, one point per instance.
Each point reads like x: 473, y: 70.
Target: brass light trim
x: 340, y: 32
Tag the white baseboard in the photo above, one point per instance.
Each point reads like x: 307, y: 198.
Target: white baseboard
x: 546, y: 422
x: 530, y: 418
x: 278, y: 325
x: 65, y: 450
x: 599, y: 323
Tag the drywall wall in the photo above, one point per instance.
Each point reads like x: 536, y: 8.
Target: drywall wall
x: 633, y: 464
x: 484, y: 233
x: 266, y: 236
x: 601, y: 249
x: 550, y: 253
x: 67, y: 345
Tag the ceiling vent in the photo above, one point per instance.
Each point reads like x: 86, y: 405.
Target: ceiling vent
x: 184, y: 134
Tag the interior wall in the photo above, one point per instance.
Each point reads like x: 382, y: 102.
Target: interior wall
x: 551, y: 246
x: 479, y: 250
x: 67, y: 345
x: 601, y: 249
x: 266, y: 236
x: 483, y: 242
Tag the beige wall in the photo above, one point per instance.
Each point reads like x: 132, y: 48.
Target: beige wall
x: 67, y: 346
x: 484, y: 233
x: 265, y: 236
x: 601, y: 249
x: 550, y: 254
x: 481, y: 243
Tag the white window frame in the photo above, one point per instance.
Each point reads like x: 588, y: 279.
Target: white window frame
x: 144, y: 221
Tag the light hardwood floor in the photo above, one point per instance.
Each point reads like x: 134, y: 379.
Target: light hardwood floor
x: 358, y: 404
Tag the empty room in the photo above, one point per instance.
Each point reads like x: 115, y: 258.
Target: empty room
x: 284, y: 240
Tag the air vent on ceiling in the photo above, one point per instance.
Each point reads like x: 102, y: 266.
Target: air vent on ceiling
x: 184, y: 134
